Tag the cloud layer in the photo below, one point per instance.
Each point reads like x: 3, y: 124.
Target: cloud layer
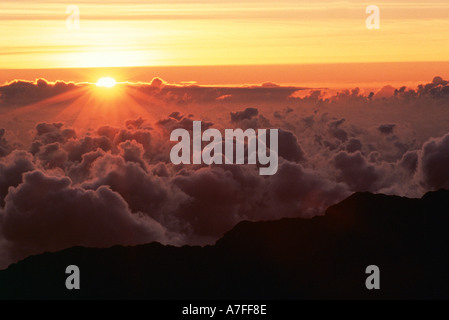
x: 115, y: 184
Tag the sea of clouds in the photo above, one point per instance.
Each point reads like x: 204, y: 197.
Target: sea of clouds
x: 63, y: 186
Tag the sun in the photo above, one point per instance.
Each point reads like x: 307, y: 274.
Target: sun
x: 106, y: 82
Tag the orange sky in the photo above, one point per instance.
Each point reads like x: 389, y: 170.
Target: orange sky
x: 347, y: 75
x: 35, y: 35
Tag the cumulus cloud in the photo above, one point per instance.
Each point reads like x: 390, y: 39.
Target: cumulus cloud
x: 11, y: 169
x: 218, y: 197
x: 297, y: 191
x: 249, y: 118
x: 385, y: 92
x: 82, y: 176
x: 5, y: 147
x: 57, y: 215
x: 356, y: 172
x: 157, y: 82
x: 434, y: 163
x: 180, y: 122
x: 52, y: 132
x: 246, y: 114
x: 288, y: 146
x: 22, y: 92
x: 336, y: 131
x: 386, y: 128
x: 353, y: 145
x: 115, y: 184
x: 143, y: 191
x: 189, y: 94
x: 409, y: 162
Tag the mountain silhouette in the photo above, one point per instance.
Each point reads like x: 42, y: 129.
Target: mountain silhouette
x: 320, y: 258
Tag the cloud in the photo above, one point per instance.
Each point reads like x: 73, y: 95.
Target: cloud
x: 157, y: 82
x: 297, y: 191
x: 53, y: 132
x: 249, y: 118
x: 437, y: 88
x: 386, y: 92
x: 22, y: 92
x: 336, y: 131
x: 143, y: 191
x: 329, y: 146
x: 176, y: 115
x: 180, y: 121
x: 288, y: 146
x: 218, y: 197
x: 246, y: 114
x: 386, y: 128
x: 5, y: 147
x: 353, y: 145
x: 11, y: 169
x: 270, y: 85
x: 409, y: 162
x: 52, y: 155
x: 57, y: 215
x: 77, y: 148
x: 434, y: 163
x: 224, y: 97
x: 188, y: 94
x: 356, y: 172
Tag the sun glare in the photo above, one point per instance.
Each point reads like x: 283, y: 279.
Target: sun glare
x: 106, y: 82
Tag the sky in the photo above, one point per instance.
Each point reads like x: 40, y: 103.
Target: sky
x: 35, y: 34
x: 356, y: 109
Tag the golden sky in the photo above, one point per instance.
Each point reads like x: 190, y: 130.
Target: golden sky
x: 117, y: 33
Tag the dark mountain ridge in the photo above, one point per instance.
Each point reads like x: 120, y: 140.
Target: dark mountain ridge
x: 320, y: 258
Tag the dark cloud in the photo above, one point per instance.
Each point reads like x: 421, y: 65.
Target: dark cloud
x: 386, y: 128
x: 409, y: 162
x: 77, y: 148
x: 53, y: 132
x: 191, y: 94
x: 81, y: 171
x: 21, y: 92
x: 437, y: 88
x: 57, y: 215
x: 176, y: 115
x: 249, y: 118
x: 336, y: 131
x: 11, y: 169
x: 52, y: 155
x: 137, y: 124
x: 87, y: 184
x: 142, y: 191
x: 142, y: 136
x: 180, y: 121
x: 5, y: 147
x: 353, y: 145
x: 309, y: 120
x: 356, y: 172
x: 246, y: 114
x: 218, y: 197
x: 434, y: 162
x: 288, y: 146
x: 296, y: 191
